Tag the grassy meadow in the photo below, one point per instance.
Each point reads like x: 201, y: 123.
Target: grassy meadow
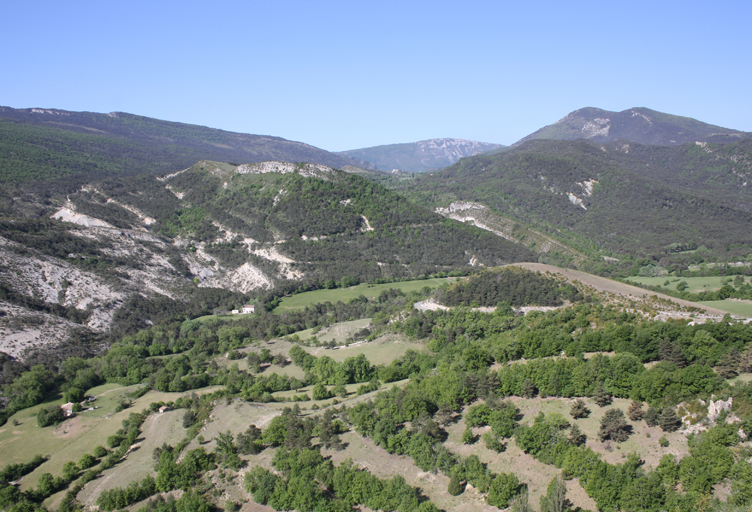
x: 301, y: 300
x: 694, y: 284
x: 733, y: 306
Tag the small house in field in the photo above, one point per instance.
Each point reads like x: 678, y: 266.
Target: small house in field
x: 67, y: 409
x: 164, y: 408
x: 248, y: 309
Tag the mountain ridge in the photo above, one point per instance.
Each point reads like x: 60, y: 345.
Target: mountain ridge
x: 52, y: 143
x: 420, y: 156
x: 639, y: 124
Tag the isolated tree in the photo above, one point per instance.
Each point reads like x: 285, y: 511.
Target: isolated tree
x: 468, y: 437
x: 189, y: 418
x: 635, y: 412
x: 614, y: 426
x: 576, y: 436
x: 601, y: 396
x: 579, y: 409
x: 455, y: 486
x: 555, y: 499
x: 668, y: 420
x: 651, y: 417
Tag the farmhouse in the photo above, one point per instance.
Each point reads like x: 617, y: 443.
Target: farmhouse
x: 248, y: 309
x: 67, y: 409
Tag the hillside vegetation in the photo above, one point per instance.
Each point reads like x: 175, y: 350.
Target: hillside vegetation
x: 484, y: 416
x: 645, y: 201
x: 41, y: 144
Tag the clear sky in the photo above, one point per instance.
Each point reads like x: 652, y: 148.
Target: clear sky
x: 349, y: 74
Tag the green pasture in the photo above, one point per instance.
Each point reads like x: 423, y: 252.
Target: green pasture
x: 733, y: 306
x: 69, y: 440
x: 381, y: 351
x: 301, y: 300
x: 694, y: 284
x: 338, y: 332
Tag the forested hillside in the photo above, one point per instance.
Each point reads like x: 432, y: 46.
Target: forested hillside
x: 41, y: 144
x: 580, y: 406
x: 125, y: 252
x: 619, y: 197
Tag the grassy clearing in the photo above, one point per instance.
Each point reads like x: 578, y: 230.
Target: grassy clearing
x: 382, y: 350
x: 742, y: 378
x: 643, y: 441
x: 529, y: 470
x: 337, y: 332
x: 733, y: 306
x: 385, y: 465
x: 301, y: 300
x: 69, y: 440
x: 157, y: 429
x: 694, y: 284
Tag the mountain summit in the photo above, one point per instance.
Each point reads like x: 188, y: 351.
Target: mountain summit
x: 640, y: 125
x: 421, y: 156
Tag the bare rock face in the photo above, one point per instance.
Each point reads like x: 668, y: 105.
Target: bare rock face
x: 715, y: 408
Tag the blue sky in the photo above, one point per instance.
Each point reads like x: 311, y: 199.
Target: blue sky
x: 348, y: 74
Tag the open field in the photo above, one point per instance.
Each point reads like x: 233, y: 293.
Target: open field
x: 337, y: 332
x: 694, y: 284
x: 301, y: 300
x: 639, y: 442
x: 157, y: 429
x: 734, y: 306
x: 69, y: 440
x: 382, y: 350
x: 609, y: 286
x: 535, y: 474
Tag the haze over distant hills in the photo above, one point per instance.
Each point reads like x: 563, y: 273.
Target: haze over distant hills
x: 640, y: 125
x: 421, y: 156
x: 40, y: 143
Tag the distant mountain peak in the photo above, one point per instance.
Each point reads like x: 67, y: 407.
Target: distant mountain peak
x: 421, y: 156
x: 637, y: 124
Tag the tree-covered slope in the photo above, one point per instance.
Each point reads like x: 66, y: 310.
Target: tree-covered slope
x: 313, y: 220
x: 38, y: 144
x: 623, y: 197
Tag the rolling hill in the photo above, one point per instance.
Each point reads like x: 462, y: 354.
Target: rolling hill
x: 40, y: 144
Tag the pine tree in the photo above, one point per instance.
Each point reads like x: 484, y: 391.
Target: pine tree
x: 579, y: 409
x: 455, y: 487
x: 728, y: 365
x: 651, y: 417
x: 677, y: 356
x: 665, y: 348
x: 555, y: 499
x: 467, y: 436
x: 576, y: 437
x: 614, y: 426
x: 668, y: 420
x: 601, y: 396
x: 528, y: 389
x: 521, y: 502
x: 635, y: 412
